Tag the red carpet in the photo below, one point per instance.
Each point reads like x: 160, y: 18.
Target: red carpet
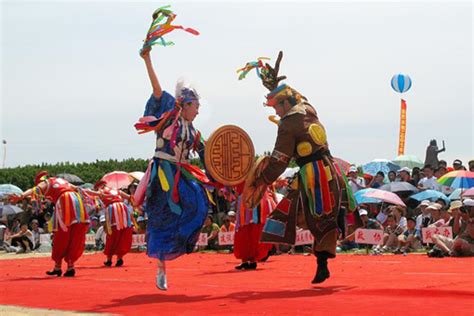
x: 207, y: 284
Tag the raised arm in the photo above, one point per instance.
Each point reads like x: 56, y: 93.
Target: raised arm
x: 157, y: 91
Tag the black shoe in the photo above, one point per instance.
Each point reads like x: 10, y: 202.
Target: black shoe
x: 119, y: 263
x: 435, y: 253
x: 322, y: 273
x: 70, y: 273
x: 57, y: 272
x: 252, y: 266
x: 242, y: 266
x: 108, y: 263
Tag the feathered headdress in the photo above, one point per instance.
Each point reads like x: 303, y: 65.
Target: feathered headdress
x: 185, y: 93
x: 271, y: 80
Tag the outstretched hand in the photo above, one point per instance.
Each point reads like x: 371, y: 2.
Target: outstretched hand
x: 145, y: 52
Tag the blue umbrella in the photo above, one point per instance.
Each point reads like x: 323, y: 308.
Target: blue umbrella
x: 6, y: 189
x: 456, y: 194
x: 431, y: 195
x: 377, y: 165
x: 361, y: 199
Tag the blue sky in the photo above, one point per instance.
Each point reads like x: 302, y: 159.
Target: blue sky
x: 73, y: 83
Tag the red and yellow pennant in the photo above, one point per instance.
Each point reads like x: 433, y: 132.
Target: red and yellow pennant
x: 403, y: 128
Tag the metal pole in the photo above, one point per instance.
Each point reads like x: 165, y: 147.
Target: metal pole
x: 4, y: 153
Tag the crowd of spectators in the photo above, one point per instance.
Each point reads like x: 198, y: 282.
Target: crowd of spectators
x: 401, y: 226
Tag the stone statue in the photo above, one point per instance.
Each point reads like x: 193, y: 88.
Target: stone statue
x: 432, y: 154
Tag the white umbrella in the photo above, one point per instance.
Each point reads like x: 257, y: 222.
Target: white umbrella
x: 399, y: 187
x: 10, y: 210
x: 410, y: 161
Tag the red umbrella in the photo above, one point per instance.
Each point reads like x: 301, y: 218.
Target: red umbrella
x: 343, y: 164
x: 117, y: 179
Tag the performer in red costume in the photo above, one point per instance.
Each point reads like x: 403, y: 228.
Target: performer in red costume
x: 70, y: 220
x: 247, y: 245
x: 118, y: 223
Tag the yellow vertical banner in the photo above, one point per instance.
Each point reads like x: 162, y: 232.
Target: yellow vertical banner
x: 403, y: 128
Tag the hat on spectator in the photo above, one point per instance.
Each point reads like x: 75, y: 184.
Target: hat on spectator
x: 468, y: 202
x: 353, y: 169
x: 435, y: 206
x: 363, y: 212
x: 94, y: 218
x: 35, y: 221
x: 102, y: 218
x: 457, y: 162
x: 231, y: 213
x: 406, y: 169
x: 140, y: 219
x: 425, y: 203
x: 454, y: 205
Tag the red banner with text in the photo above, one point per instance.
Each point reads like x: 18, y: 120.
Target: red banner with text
x: 403, y: 128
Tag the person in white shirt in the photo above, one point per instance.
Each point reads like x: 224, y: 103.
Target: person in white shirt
x: 429, y: 182
x: 356, y: 183
x: 424, y: 218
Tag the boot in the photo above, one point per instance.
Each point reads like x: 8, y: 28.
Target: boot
x: 161, y: 282
x: 242, y: 266
x: 55, y: 271
x: 70, y: 273
x: 322, y: 272
x: 252, y: 266
x: 108, y: 263
x: 119, y: 262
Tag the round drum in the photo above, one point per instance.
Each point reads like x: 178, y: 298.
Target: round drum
x: 229, y: 155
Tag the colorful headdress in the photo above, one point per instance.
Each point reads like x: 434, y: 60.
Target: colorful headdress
x: 161, y: 25
x: 41, y: 176
x: 185, y: 93
x: 98, y: 184
x: 270, y: 80
x: 282, y: 92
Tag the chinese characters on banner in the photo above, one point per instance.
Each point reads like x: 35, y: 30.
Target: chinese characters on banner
x: 138, y: 240
x: 304, y: 237
x: 369, y: 236
x: 403, y: 128
x: 428, y: 232
x: 226, y: 238
x: 202, y: 241
x: 90, y: 239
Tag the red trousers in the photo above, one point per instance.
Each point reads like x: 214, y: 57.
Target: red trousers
x: 119, y: 242
x: 69, y: 245
x: 247, y: 246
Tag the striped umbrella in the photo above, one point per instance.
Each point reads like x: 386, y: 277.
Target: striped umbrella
x: 458, y: 179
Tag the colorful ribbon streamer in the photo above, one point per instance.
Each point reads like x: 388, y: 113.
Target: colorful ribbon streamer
x: 161, y: 25
x: 257, y: 65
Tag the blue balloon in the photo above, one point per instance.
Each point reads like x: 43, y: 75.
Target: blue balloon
x: 401, y: 83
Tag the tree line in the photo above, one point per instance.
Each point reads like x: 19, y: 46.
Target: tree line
x: 89, y: 172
